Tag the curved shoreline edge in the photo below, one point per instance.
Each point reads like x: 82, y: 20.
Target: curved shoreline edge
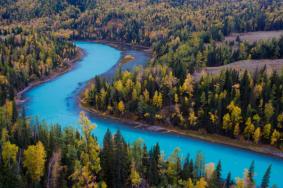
x: 216, y: 139
x: 166, y: 129
x: 54, y: 74
x: 210, y: 138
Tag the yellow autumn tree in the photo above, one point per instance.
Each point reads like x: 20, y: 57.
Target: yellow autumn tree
x: 34, y: 161
x: 189, y: 183
x: 201, y: 183
x: 227, y: 124
x: 157, y: 99
x: 134, y: 95
x: 275, y: 137
x: 268, y: 111
x: 135, y: 177
x: 267, y: 131
x: 249, y: 129
x: 88, y: 165
x: 236, y: 131
x: 121, y: 107
x: 187, y: 86
x: 240, y: 183
x: 4, y: 135
x: 146, y: 95
x: 9, y: 153
x: 213, y: 117
x: 280, y: 121
x: 118, y: 85
x: 9, y: 109
x: 192, y: 119
x: 256, y: 135
x: 233, y: 118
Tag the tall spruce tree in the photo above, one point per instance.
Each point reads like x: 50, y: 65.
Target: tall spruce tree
x: 251, y: 173
x: 266, y: 177
x: 153, y: 174
x: 186, y: 171
x: 228, y: 181
x: 121, y: 162
x: 107, y: 158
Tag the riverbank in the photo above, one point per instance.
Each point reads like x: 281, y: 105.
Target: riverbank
x: 168, y: 129
x: 55, y: 103
x: 264, y: 149
x: 55, y: 73
x: 242, y: 144
x: 138, y: 59
x: 123, y: 46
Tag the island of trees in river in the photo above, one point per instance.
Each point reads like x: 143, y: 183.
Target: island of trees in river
x: 185, y: 36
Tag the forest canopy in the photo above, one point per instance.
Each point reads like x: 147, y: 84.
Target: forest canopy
x: 184, y: 36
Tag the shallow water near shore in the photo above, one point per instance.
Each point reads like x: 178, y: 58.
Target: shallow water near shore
x: 55, y: 102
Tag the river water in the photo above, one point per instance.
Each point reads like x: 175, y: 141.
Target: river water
x: 55, y: 102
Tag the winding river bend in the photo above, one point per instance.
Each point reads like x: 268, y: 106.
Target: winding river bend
x: 55, y: 102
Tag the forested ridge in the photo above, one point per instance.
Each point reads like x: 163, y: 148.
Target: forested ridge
x: 185, y: 36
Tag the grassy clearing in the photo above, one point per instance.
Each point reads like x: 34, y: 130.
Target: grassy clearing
x: 252, y: 37
x: 249, y: 65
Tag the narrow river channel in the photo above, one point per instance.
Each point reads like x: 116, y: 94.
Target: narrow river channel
x: 55, y: 102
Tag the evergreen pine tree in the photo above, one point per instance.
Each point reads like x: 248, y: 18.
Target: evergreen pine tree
x: 251, y: 173
x: 145, y: 160
x: 121, y: 162
x: 266, y: 177
x: 153, y: 170
x: 228, y: 181
x: 186, y: 173
x: 106, y: 158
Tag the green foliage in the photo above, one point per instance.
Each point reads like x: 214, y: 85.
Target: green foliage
x: 88, y: 165
x: 231, y: 104
x: 265, y: 179
x: 251, y: 173
x: 66, y: 157
x: 27, y: 56
x: 185, y: 36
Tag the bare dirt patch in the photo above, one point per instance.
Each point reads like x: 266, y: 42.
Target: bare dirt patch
x: 249, y: 65
x: 252, y: 37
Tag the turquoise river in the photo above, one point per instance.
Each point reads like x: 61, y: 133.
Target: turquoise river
x: 55, y: 102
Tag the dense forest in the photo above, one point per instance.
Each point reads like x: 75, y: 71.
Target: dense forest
x: 231, y: 104
x: 27, y: 56
x: 34, y: 155
x: 184, y: 36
